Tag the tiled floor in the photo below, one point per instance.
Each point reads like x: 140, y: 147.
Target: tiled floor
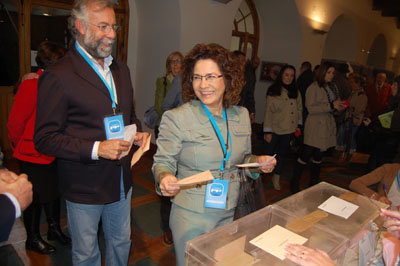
x: 147, y: 247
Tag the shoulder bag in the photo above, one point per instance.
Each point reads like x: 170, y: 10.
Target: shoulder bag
x: 151, y: 116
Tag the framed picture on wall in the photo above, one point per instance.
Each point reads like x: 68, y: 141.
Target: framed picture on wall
x: 270, y: 70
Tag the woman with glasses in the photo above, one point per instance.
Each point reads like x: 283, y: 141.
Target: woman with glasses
x: 173, y: 66
x: 283, y: 116
x: 206, y: 133
x: 322, y: 101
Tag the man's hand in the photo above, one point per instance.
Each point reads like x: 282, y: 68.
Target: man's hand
x: 112, y: 149
x: 21, y: 189
x: 140, y: 138
x: 29, y: 76
x: 167, y: 187
x: 8, y: 176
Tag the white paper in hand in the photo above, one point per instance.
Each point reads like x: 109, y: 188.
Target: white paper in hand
x: 129, y: 135
x: 257, y: 164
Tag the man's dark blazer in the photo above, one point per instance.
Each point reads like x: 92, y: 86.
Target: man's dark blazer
x: 7, y: 217
x: 72, y: 103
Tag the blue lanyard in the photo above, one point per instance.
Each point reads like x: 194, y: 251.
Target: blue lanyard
x: 398, y: 181
x: 110, y: 89
x: 219, y: 135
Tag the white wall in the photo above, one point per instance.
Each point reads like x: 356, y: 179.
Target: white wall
x: 341, y: 42
x: 368, y: 23
x: 206, y: 21
x: 154, y: 24
x: 280, y: 41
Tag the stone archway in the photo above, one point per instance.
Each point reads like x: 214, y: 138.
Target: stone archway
x: 378, y: 52
x: 341, y: 42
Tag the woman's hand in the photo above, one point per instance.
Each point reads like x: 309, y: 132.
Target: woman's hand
x: 385, y: 200
x: 268, y: 137
x: 307, y: 256
x: 392, y: 222
x: 266, y: 168
x: 339, y: 105
x: 389, y: 214
x: 167, y: 187
x: 366, y: 121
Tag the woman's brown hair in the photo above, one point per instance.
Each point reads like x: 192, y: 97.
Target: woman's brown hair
x: 322, y: 72
x: 229, y: 65
x: 48, y: 53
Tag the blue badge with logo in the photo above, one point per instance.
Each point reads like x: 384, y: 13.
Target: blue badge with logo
x: 216, y: 194
x: 114, y: 127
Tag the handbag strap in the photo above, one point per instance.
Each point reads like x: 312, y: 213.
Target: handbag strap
x: 165, y: 86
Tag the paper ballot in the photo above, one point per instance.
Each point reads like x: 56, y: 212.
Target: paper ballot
x: 339, y: 207
x: 195, y: 179
x: 257, y: 164
x: 129, y: 135
x: 275, y: 240
x: 138, y: 154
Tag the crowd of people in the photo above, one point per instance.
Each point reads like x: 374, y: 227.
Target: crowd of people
x: 325, y: 110
x: 65, y: 123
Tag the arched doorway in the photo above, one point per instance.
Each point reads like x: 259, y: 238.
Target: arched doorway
x: 341, y: 42
x: 246, y: 29
x: 396, y: 63
x: 378, y: 52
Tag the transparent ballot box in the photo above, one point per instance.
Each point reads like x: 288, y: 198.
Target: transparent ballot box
x: 229, y: 244
x: 353, y: 228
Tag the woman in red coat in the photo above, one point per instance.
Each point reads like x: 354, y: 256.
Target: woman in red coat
x: 41, y: 169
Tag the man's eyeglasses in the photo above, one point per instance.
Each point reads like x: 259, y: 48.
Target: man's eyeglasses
x: 209, y: 78
x: 104, y: 27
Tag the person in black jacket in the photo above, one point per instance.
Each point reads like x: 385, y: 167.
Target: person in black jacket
x: 303, y: 82
x: 247, y: 95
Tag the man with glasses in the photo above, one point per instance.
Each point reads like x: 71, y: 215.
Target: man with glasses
x: 83, y: 99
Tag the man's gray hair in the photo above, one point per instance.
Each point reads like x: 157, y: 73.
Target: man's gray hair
x: 79, y: 11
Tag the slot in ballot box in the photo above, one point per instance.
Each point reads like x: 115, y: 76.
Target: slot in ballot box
x: 230, y: 244
x: 354, y: 228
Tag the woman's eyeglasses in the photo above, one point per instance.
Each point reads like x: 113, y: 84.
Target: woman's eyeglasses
x: 176, y: 61
x: 209, y: 78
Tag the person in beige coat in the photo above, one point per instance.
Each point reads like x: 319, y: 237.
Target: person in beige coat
x: 320, y: 128
x: 283, y: 116
x: 354, y: 116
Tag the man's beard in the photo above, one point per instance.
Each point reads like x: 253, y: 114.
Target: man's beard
x: 94, y: 47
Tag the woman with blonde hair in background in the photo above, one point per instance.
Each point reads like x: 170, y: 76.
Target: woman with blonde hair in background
x: 173, y: 66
